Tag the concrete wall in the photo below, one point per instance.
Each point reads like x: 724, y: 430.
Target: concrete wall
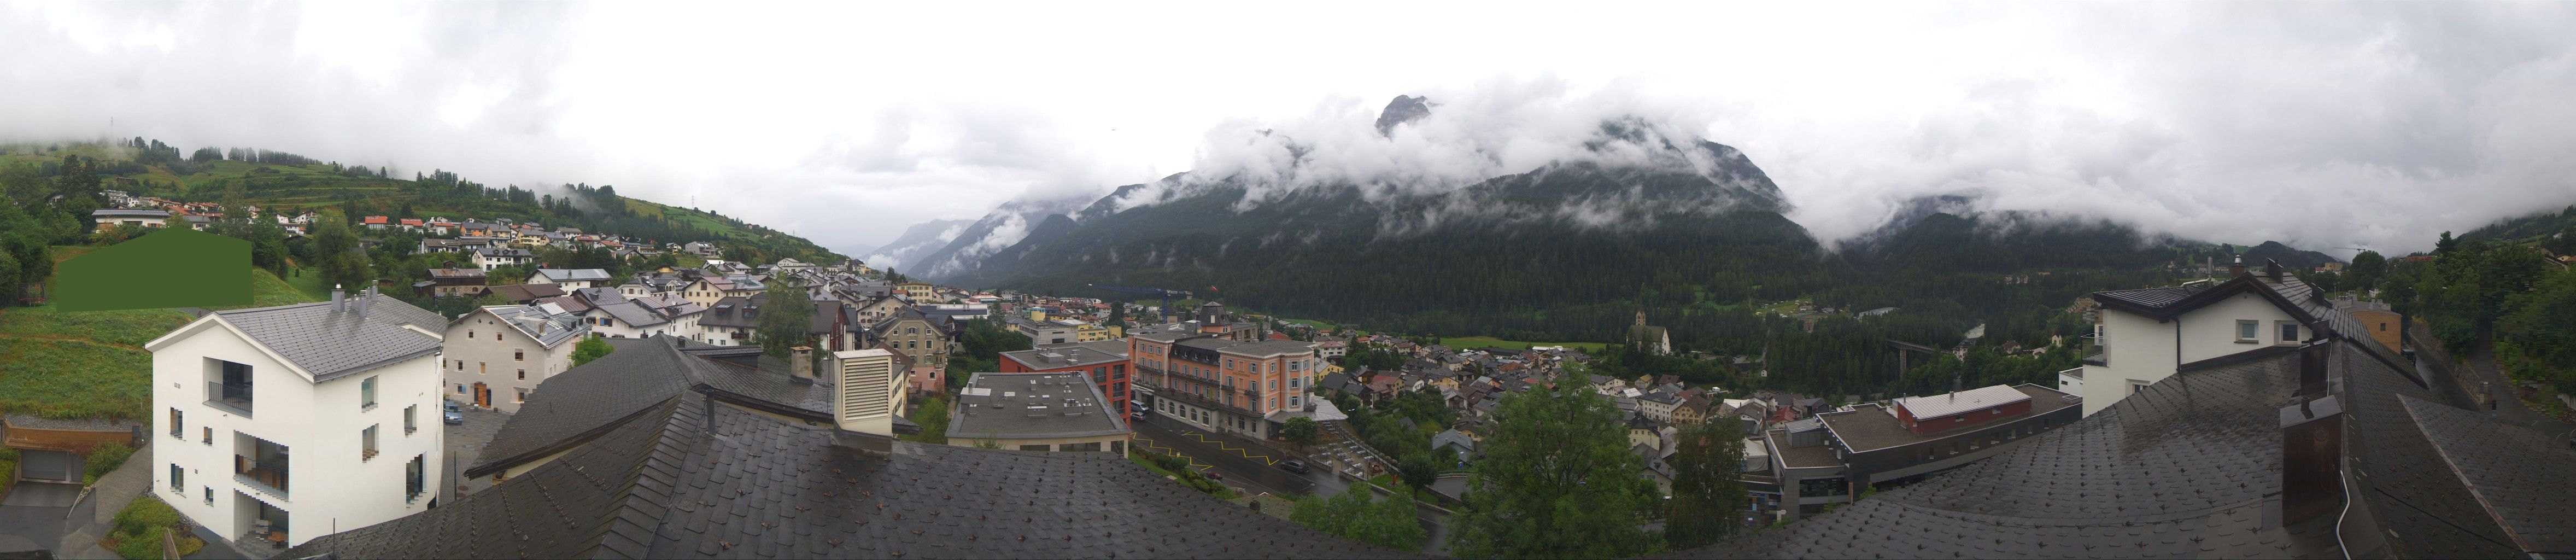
x: 329, y: 486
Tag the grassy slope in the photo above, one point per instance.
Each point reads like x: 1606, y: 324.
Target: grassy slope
x: 92, y: 363
x: 1484, y: 341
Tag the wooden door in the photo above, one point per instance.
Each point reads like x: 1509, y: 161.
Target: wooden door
x: 482, y: 395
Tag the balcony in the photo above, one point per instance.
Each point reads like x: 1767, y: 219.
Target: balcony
x: 263, y: 467
x: 230, y: 397
x: 1186, y: 396
x: 2094, y: 352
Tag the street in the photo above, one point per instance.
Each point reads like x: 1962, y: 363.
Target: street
x: 2479, y: 375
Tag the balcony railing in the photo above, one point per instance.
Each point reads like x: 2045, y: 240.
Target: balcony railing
x: 233, y: 397
x: 266, y: 474
x: 2094, y: 352
x: 1196, y: 399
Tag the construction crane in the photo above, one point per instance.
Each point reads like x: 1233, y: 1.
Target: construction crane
x: 1169, y: 316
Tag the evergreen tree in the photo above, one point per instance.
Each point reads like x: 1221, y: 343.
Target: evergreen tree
x: 1558, y: 482
x: 342, y: 263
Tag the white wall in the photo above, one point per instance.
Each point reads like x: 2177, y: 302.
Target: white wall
x: 2144, y: 350
x: 490, y: 361
x: 329, y: 486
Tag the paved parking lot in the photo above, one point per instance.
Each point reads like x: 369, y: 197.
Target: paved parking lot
x: 465, y: 441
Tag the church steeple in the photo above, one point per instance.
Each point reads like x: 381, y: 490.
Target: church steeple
x: 1641, y: 317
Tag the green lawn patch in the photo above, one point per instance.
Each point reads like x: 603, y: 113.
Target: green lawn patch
x: 123, y: 327
x: 67, y: 378
x: 1484, y: 341
x: 140, y: 526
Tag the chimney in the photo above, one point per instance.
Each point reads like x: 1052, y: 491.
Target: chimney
x: 868, y: 392
x: 2311, y: 459
x: 804, y: 358
x: 2236, y: 268
x: 360, y: 305
x: 2272, y: 268
x: 339, y: 299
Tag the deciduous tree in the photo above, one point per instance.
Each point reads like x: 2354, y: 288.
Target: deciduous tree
x: 1556, y: 481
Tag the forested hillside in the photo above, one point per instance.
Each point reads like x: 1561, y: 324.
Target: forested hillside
x: 285, y: 182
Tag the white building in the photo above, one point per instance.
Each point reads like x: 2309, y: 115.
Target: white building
x: 495, y: 257
x: 302, y: 419
x: 572, y: 278
x: 648, y: 316
x: 498, y: 354
x: 2146, y: 335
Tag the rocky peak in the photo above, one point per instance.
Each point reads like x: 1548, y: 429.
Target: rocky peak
x: 1404, y: 109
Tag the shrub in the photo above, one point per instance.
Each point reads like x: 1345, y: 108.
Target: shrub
x: 137, y: 530
x: 104, y: 458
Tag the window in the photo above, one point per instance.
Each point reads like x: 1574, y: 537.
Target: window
x: 522, y: 397
x: 410, y: 419
x: 210, y: 494
x: 2289, y: 331
x: 1293, y: 402
x: 469, y: 334
x: 367, y: 443
x: 518, y: 355
x: 523, y: 374
x: 1997, y: 410
x: 176, y: 430
x: 460, y: 365
x: 414, y: 481
x: 367, y: 393
x: 178, y: 480
x: 2248, y: 330
x: 2136, y: 385
x: 210, y: 435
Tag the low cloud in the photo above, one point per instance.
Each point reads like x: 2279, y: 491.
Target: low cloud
x: 2321, y: 125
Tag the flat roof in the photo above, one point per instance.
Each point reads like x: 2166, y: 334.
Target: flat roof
x: 1947, y: 404
x: 1031, y: 406
x: 1062, y: 357
x: 1809, y: 457
x: 1870, y: 427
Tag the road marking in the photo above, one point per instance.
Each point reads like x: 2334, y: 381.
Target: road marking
x: 1194, y: 462
x: 1221, y: 444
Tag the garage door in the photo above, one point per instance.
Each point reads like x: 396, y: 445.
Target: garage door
x: 49, y: 465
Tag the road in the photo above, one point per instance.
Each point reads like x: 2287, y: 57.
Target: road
x: 2478, y: 374
x: 1251, y: 467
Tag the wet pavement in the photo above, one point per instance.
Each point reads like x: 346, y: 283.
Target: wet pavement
x: 465, y: 443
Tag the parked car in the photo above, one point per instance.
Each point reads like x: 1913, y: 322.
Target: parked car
x: 1212, y: 474
x: 454, y: 415
x: 1138, y: 415
x: 1294, y: 466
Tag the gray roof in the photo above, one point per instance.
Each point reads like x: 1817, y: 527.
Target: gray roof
x: 34, y: 422
x: 329, y: 344
x: 129, y: 213
x: 2188, y: 467
x: 1267, y: 348
x: 1065, y: 355
x: 641, y: 372
x: 573, y: 274
x: 1032, y: 405
x: 633, y: 313
x: 680, y: 479
x: 548, y: 326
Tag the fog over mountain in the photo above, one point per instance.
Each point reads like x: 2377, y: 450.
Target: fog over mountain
x: 2319, y: 125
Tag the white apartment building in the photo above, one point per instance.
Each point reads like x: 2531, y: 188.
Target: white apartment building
x: 648, y: 316
x: 498, y: 354
x: 2145, y: 335
x: 300, y: 420
x: 572, y: 278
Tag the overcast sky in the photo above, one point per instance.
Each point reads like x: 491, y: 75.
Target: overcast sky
x: 2319, y: 124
